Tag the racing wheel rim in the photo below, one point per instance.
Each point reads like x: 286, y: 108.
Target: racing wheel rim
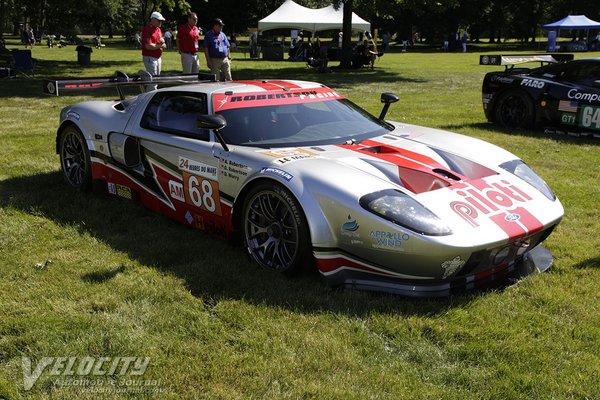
x: 514, y: 111
x: 272, y: 231
x: 74, y: 159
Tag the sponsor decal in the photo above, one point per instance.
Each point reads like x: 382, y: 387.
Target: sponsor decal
x: 533, y: 83
x: 285, y: 156
x: 351, y: 225
x: 386, y: 239
x: 495, y: 201
x: 112, y: 188
x: 568, y: 119
x: 577, y: 95
x: 232, y: 169
x: 223, y: 102
x: 188, y: 217
x: 512, y: 217
x: 276, y: 171
x: 502, y: 79
x: 199, y: 222
x: 51, y: 87
x: 202, y: 193
x: 350, y: 229
x: 124, y: 191
x: 176, y: 191
x: 73, y: 114
x: 197, y: 168
x: 452, y: 266
x: 590, y: 117
x: 567, y: 106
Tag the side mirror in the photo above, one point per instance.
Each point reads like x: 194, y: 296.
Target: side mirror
x: 387, y: 98
x: 215, y: 122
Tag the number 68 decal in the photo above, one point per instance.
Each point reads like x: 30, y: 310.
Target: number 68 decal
x: 202, y: 193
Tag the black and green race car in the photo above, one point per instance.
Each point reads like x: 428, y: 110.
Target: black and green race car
x: 563, y: 95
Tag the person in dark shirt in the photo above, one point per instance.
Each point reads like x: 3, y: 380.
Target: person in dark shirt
x: 216, y: 50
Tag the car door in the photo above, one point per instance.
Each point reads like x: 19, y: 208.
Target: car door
x: 177, y: 158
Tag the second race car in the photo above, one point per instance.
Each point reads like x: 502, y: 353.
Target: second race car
x: 563, y: 95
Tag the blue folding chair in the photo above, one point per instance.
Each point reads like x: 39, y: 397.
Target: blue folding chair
x: 23, y: 62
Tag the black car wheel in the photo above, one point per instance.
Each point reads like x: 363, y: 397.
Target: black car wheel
x: 75, y: 158
x: 514, y: 110
x: 275, y: 229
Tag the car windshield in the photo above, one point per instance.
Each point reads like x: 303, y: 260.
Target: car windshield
x: 301, y: 124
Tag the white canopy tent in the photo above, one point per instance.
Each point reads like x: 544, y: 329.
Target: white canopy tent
x: 291, y: 15
x: 574, y: 22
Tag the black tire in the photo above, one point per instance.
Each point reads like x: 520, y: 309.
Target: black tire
x: 275, y: 230
x: 514, y: 109
x: 75, y: 159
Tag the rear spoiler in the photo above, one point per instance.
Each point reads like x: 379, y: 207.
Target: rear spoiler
x: 55, y: 86
x: 514, y: 59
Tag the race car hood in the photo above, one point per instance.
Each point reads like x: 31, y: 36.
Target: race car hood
x: 481, y: 201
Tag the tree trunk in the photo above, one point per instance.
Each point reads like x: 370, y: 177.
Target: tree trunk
x: 346, y: 61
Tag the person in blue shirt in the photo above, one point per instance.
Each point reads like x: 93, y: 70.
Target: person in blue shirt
x: 216, y: 50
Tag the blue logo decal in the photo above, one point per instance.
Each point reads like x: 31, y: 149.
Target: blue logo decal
x: 279, y: 172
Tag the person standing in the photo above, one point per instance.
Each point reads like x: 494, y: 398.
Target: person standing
x: 464, y: 40
x: 216, y: 50
x: 187, y: 43
x: 169, y: 39
x: 153, y: 44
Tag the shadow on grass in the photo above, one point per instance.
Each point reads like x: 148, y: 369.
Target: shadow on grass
x: 536, y: 133
x: 212, y: 269
x: 593, y: 262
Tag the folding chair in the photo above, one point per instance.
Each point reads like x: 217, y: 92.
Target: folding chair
x: 23, y: 62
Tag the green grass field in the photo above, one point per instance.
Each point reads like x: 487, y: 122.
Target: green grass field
x: 123, y: 281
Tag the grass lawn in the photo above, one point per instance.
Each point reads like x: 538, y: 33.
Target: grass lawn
x: 124, y: 282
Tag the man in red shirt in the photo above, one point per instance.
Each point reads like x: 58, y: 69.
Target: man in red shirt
x: 187, y: 43
x: 153, y: 44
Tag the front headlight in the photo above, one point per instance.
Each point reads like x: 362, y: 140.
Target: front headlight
x: 403, y: 210
x: 523, y: 171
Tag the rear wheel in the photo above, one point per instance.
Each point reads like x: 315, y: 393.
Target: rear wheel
x: 275, y: 229
x: 75, y: 159
x: 514, y: 109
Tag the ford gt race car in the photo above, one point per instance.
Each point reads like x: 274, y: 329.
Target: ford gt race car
x: 307, y: 177
x: 561, y: 96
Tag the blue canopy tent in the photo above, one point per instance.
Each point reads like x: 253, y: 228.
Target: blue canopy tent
x: 573, y: 22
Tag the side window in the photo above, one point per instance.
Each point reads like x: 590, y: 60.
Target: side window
x: 176, y: 113
x: 584, y: 74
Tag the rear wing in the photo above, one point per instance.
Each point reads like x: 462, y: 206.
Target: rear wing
x: 55, y: 86
x: 515, y: 59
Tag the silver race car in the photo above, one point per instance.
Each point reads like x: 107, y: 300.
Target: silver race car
x: 307, y: 177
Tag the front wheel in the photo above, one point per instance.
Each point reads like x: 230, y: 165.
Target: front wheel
x: 75, y: 159
x: 514, y: 110
x: 275, y: 230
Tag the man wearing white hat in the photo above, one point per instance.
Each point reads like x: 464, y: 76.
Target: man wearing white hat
x: 153, y: 44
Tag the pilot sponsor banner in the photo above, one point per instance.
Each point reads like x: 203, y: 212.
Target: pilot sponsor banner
x: 222, y: 102
x: 501, y: 202
x: 198, y: 168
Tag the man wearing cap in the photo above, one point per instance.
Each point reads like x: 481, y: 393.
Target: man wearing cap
x: 216, y: 50
x: 187, y: 43
x: 153, y: 44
